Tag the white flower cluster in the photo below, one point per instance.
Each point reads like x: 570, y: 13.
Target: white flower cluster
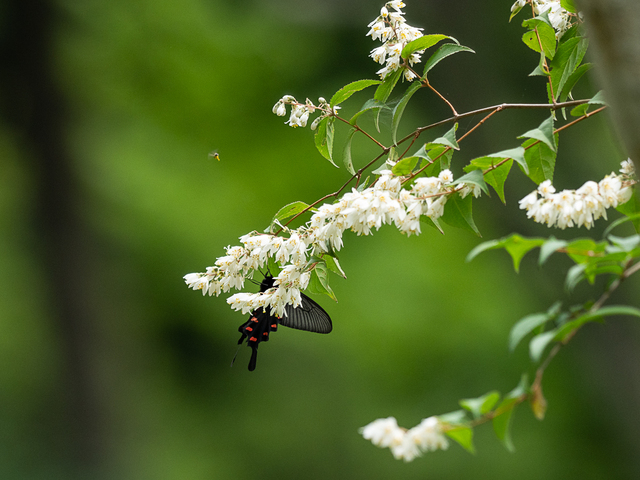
x: 385, y: 202
x: 406, y: 444
x: 231, y: 270
x: 559, y: 18
x: 391, y: 29
x: 580, y: 207
x: 300, y: 111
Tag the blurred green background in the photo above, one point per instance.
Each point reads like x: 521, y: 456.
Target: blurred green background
x: 111, y: 368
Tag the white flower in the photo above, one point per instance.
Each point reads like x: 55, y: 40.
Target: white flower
x: 428, y: 434
x: 279, y: 109
x: 391, y: 28
x: 529, y: 201
x: 435, y: 208
x: 518, y: 4
x: 245, y: 302
x: 467, y: 189
x: 546, y: 189
x: 446, y: 176
x: 407, y: 449
x: 624, y: 195
x: 197, y: 281
x: 379, y: 54
x: 396, y: 5
x: 406, y: 445
x: 627, y: 167
x: 559, y: 17
x: 609, y: 187
x: 579, y: 207
x: 383, y: 432
x: 425, y: 186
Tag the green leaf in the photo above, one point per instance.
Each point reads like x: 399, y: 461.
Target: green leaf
x: 449, y: 139
x: 438, y: 155
x: 583, y: 249
x: 573, y: 79
x: 464, y: 437
x: 330, y: 136
x: 525, y: 326
x: 574, y: 276
x: 631, y: 210
x: 288, y: 211
x: 405, y: 166
x: 483, y: 247
x: 546, y: 33
x: 568, y: 5
x: 319, y: 281
x: 502, y: 422
x: 515, y: 153
x: 488, y: 161
x: 455, y: 418
x: 441, y: 53
x: 625, y: 310
x: 351, y: 88
x: 433, y: 223
x: 572, y: 32
x: 371, y: 104
x: 549, y: 247
x: 422, y: 43
x: 620, y: 221
x: 386, y: 87
x: 598, y: 99
x: 541, y: 69
x: 580, y: 110
x: 515, y: 245
x: 346, y: 155
x: 324, y: 139
x: 474, y: 177
x: 541, y: 161
x: 497, y: 177
x: 458, y: 213
x: 539, y: 343
x: 334, y: 265
x: 481, y: 405
x: 399, y: 109
x: 363, y: 185
x: 515, y: 12
x: 567, y: 59
x: 543, y: 133
x: 518, y: 247
x: 568, y: 328
x: 623, y: 244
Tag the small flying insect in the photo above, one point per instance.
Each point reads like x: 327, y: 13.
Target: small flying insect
x: 215, y: 155
x: 308, y: 316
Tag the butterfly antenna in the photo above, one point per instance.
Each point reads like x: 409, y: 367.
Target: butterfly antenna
x: 234, y: 357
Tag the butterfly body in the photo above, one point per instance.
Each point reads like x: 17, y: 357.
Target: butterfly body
x: 308, y: 316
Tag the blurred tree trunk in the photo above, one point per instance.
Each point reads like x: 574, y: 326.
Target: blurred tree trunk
x: 613, y: 27
x: 614, y: 32
x: 34, y: 108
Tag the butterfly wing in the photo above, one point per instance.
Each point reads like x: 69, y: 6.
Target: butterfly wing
x: 308, y: 316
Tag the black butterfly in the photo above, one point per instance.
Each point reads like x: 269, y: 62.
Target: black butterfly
x: 308, y: 316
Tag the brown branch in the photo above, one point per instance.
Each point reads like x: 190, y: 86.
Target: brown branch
x: 501, y: 107
x: 490, y: 110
